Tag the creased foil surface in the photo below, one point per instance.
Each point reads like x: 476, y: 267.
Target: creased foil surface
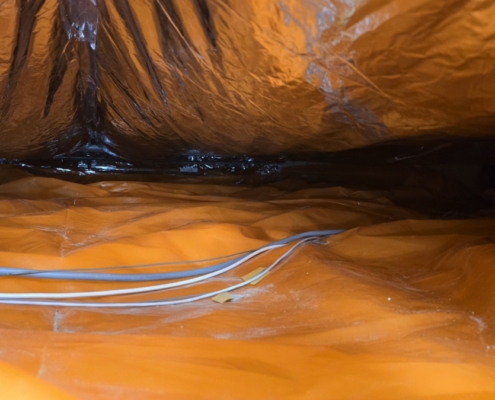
x: 150, y: 78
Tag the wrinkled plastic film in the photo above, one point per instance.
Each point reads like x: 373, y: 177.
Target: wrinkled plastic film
x: 399, y: 305
x: 282, y: 76
x: 223, y: 93
x: 146, y: 79
x: 42, y: 77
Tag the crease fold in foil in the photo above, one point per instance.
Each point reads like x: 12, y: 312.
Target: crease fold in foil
x: 145, y: 79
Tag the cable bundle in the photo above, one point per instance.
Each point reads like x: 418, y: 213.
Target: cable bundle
x: 188, y: 277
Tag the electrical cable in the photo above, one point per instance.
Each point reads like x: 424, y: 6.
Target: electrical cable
x: 138, y: 290
x: 85, y: 275
x: 175, y: 301
x: 53, y: 273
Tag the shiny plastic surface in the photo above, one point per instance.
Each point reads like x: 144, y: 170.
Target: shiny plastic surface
x: 150, y: 78
x: 399, y: 306
x: 47, y: 76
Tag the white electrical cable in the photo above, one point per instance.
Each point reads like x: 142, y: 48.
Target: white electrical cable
x: 159, y: 302
x: 91, y: 274
x: 142, y: 289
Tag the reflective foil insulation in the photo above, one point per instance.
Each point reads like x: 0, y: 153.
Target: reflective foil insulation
x: 153, y: 78
x: 247, y: 199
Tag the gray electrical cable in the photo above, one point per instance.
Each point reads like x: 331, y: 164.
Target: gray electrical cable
x: 141, y: 289
x: 159, y: 302
x: 84, y: 275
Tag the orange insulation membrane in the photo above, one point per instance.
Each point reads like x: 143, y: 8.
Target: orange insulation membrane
x: 397, y: 307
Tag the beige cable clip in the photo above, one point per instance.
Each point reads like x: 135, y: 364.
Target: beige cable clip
x: 252, y: 274
x: 222, y: 298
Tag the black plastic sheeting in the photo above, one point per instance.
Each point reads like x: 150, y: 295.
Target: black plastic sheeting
x: 448, y: 180
x: 146, y: 79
